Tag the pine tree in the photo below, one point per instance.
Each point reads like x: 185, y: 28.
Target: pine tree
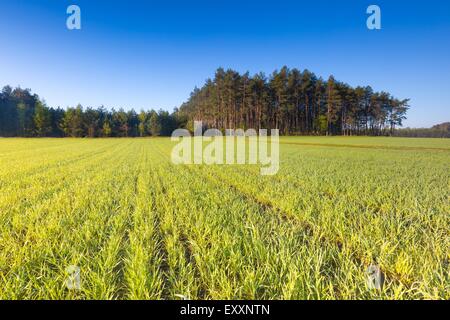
x: 42, y: 119
x: 142, y: 123
x: 106, y: 129
x: 154, y: 124
x: 333, y: 105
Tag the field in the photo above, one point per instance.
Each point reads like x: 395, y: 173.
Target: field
x: 139, y: 227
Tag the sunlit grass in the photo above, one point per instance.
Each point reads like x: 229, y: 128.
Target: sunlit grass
x: 140, y: 227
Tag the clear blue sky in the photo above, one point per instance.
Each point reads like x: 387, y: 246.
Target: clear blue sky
x: 151, y: 54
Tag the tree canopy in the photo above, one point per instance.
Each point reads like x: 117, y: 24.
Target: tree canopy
x: 23, y: 114
x: 296, y: 102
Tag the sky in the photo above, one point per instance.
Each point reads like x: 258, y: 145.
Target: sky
x: 151, y: 54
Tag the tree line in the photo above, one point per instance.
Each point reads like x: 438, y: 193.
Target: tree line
x: 23, y: 114
x: 295, y: 102
x: 438, y: 131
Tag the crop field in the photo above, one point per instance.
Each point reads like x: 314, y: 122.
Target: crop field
x: 139, y: 227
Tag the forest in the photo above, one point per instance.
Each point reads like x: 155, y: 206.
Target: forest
x: 23, y: 114
x: 296, y: 102
x: 438, y: 131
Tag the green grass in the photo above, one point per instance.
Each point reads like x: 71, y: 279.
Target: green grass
x: 140, y: 227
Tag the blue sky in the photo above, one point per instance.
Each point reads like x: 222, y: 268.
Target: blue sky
x: 151, y: 54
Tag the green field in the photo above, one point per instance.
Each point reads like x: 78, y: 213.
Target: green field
x: 139, y: 227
